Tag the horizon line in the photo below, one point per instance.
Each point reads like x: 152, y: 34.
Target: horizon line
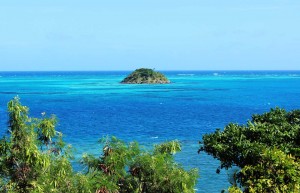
x: 137, y: 68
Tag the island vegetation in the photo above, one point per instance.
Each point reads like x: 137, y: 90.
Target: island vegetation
x: 145, y: 76
x: 266, y: 150
x: 34, y: 158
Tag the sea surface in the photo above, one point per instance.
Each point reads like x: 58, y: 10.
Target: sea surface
x: 90, y: 105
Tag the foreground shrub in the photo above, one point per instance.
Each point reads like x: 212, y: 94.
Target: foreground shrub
x: 34, y: 158
x: 128, y: 168
x: 266, y: 149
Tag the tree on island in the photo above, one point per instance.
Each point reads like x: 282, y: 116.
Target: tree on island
x: 266, y: 150
x: 34, y: 158
x: 145, y: 76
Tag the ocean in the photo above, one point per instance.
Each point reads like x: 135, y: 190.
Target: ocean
x: 91, y: 105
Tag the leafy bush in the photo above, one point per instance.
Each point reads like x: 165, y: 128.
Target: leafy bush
x: 128, y: 168
x: 266, y: 149
x: 34, y: 158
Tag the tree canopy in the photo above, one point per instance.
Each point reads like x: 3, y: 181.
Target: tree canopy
x: 34, y: 158
x: 137, y: 170
x: 266, y: 150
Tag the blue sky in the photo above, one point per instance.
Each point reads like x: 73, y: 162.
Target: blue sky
x: 161, y: 34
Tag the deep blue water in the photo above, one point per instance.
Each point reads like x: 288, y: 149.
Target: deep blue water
x: 90, y: 105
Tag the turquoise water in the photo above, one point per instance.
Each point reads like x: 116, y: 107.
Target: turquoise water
x: 90, y: 105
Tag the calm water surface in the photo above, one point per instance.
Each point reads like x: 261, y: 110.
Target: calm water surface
x: 90, y: 105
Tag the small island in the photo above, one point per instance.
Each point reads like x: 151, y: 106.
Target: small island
x: 145, y: 76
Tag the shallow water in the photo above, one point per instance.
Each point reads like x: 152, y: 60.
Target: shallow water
x: 90, y: 105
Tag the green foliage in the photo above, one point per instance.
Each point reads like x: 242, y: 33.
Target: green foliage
x: 170, y: 147
x: 266, y: 149
x: 128, y: 168
x: 145, y: 76
x: 234, y: 189
x: 274, y: 172
x: 34, y: 158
